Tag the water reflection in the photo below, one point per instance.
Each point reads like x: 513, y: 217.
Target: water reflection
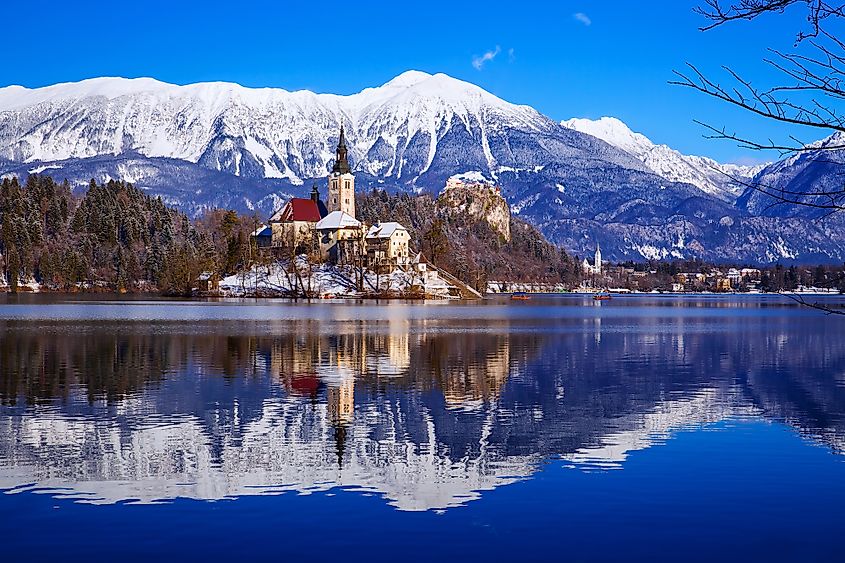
x: 427, y: 412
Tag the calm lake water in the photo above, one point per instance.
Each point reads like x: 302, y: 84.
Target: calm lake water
x: 562, y: 429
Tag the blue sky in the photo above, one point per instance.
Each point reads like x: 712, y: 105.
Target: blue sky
x: 567, y: 58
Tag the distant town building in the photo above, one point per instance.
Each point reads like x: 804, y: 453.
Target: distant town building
x: 690, y: 281
x: 595, y: 268
x: 750, y: 273
x: 734, y: 276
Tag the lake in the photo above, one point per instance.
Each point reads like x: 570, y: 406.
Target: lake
x: 686, y: 428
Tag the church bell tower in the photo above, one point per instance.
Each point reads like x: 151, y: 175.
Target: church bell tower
x: 341, y: 181
x: 597, y: 264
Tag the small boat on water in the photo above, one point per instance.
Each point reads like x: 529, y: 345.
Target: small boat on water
x: 601, y: 297
x: 520, y: 296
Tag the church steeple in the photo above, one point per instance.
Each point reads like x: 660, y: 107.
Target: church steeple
x: 341, y: 162
x: 341, y: 180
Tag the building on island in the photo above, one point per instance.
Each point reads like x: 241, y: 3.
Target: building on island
x: 340, y: 237
x: 331, y: 233
x: 595, y: 268
x: 293, y: 226
x: 208, y: 282
x: 341, y: 180
x: 388, y: 245
x: 263, y: 236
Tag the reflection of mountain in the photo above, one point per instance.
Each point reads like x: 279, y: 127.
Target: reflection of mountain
x: 645, y: 430
x: 427, y: 413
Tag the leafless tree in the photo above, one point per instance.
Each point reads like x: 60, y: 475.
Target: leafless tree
x: 808, y: 96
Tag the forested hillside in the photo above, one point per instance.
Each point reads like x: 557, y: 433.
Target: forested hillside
x: 113, y: 237
x: 469, y: 246
x: 116, y: 237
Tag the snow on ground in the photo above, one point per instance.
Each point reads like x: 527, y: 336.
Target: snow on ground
x: 325, y: 280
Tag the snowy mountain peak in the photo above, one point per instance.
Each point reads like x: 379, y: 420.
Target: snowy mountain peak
x: 612, y: 131
x: 407, y: 79
x: 16, y: 97
x: 395, y: 130
x: 716, y: 179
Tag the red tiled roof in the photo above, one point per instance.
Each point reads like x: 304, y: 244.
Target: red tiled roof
x: 299, y: 209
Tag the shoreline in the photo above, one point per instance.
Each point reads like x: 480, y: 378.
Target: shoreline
x: 393, y: 296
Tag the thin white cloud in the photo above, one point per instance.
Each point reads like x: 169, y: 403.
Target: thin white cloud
x: 478, y: 62
x: 511, y: 55
x: 583, y: 18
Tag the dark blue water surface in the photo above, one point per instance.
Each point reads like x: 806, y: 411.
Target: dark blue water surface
x: 561, y: 429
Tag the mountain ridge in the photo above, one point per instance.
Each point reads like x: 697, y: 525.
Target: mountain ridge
x: 212, y: 144
x: 713, y: 177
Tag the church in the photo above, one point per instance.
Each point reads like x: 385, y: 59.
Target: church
x: 341, y: 181
x: 339, y: 233
x: 595, y: 268
x: 308, y: 226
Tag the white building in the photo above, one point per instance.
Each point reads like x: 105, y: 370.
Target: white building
x: 595, y: 268
x: 340, y: 236
x: 388, y: 244
x: 735, y: 276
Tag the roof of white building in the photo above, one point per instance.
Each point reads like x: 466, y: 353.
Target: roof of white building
x: 338, y: 220
x: 260, y: 231
x: 384, y: 230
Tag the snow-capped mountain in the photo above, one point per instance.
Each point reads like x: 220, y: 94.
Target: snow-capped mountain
x: 725, y: 181
x: 818, y: 169
x: 396, y: 131
x: 220, y: 144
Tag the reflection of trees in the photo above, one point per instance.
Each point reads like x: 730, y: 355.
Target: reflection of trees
x: 45, y: 362
x: 113, y: 361
x: 553, y: 391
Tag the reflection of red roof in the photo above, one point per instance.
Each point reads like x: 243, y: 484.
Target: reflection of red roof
x: 304, y: 384
x: 298, y: 209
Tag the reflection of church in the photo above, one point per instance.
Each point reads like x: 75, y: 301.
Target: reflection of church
x: 326, y: 369
x: 257, y: 413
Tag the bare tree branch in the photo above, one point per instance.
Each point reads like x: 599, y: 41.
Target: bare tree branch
x: 813, y: 86
x: 827, y: 309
